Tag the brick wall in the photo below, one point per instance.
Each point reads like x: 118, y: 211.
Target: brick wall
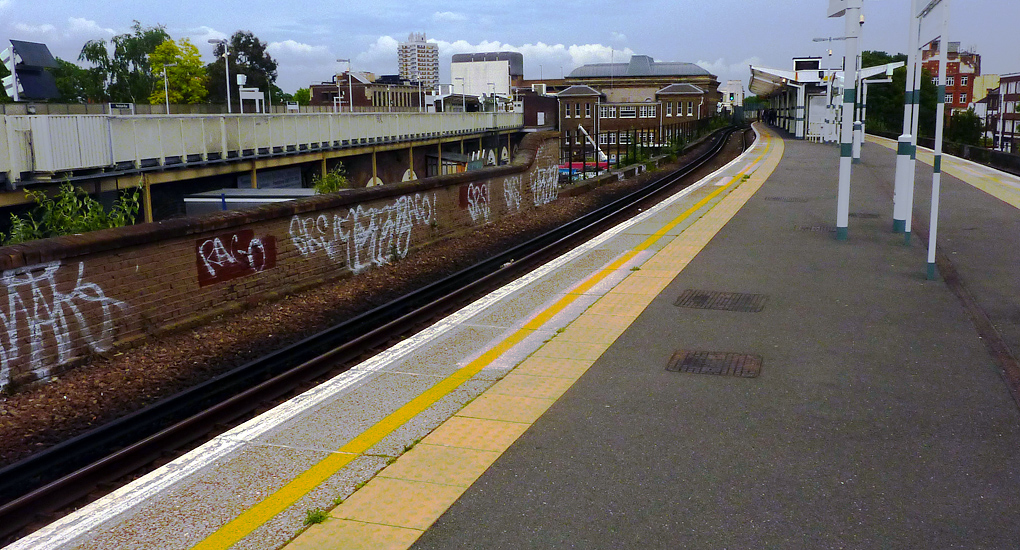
x: 67, y: 297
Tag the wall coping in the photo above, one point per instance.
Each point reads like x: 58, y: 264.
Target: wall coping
x: 70, y: 246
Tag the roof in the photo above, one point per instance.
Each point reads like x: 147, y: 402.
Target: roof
x: 578, y: 91
x: 686, y: 89
x: 639, y: 65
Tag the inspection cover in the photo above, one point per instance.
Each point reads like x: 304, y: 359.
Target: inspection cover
x: 787, y: 199
x: 817, y: 228
x: 725, y: 301
x: 715, y: 362
x: 864, y: 215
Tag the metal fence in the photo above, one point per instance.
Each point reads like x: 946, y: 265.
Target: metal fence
x: 60, y: 143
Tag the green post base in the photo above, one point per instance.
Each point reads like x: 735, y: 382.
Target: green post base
x: 842, y: 233
x: 906, y: 238
x: 931, y: 272
x: 855, y: 161
x: 899, y: 226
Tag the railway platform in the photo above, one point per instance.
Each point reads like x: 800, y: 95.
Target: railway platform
x: 719, y: 372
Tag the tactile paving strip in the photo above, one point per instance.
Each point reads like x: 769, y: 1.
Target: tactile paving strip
x: 725, y: 301
x: 715, y: 362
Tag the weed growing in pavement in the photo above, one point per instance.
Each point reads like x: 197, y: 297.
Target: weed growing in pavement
x: 636, y: 268
x: 315, y: 515
x: 338, y: 501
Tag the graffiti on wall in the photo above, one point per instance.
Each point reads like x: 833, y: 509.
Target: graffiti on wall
x: 41, y: 321
x: 233, y: 255
x: 512, y: 192
x: 544, y: 186
x: 475, y: 197
x: 364, y: 236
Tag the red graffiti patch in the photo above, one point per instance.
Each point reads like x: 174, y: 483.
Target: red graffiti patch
x: 232, y: 255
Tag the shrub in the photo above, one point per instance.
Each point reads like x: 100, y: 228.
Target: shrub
x: 332, y: 181
x: 71, y: 211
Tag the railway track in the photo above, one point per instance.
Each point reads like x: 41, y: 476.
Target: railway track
x: 32, y: 490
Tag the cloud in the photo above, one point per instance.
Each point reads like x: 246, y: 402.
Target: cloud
x: 729, y: 71
x: 4, y: 4
x: 617, y: 36
x: 448, y: 17
x: 381, y: 57
x: 301, y: 64
x: 79, y: 26
x: 36, y: 30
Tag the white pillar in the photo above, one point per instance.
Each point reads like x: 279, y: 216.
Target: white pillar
x: 852, y: 20
x: 904, y: 187
x: 801, y: 110
x: 940, y: 114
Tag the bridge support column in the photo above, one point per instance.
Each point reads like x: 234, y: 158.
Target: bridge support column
x: 254, y: 176
x: 146, y: 199
x: 375, y: 167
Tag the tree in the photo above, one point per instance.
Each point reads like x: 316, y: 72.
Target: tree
x: 126, y: 71
x: 186, y: 79
x: 76, y: 84
x: 303, y: 96
x: 4, y: 98
x: 964, y: 127
x: 248, y: 57
x: 885, y: 102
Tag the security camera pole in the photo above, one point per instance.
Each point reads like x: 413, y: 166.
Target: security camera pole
x: 850, y: 10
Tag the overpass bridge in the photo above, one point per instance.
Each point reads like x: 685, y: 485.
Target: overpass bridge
x: 111, y: 152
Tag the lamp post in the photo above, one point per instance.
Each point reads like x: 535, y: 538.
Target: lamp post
x: 421, y: 97
x: 463, y: 94
x: 350, y: 85
x: 166, y: 86
x: 493, y: 84
x: 226, y: 65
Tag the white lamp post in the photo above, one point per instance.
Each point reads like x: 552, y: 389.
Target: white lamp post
x: 463, y: 95
x: 166, y: 86
x: 493, y: 84
x: 226, y: 66
x: 350, y: 85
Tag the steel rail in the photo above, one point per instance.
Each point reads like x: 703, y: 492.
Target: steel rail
x: 60, y: 475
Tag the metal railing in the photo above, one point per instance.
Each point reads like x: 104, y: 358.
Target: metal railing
x: 48, y: 144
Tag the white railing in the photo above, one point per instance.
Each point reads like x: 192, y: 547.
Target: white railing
x: 60, y: 143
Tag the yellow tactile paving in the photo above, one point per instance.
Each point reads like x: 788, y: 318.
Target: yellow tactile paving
x: 441, y: 464
x: 508, y: 408
x: 527, y: 385
x: 398, y: 502
x: 1004, y: 187
x: 553, y: 366
x: 342, y: 534
x: 572, y: 350
x: 476, y: 433
x: 487, y: 426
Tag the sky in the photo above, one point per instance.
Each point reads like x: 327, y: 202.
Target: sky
x: 306, y: 37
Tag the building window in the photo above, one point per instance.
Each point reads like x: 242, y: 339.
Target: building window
x: 669, y: 108
x: 935, y: 80
x: 628, y: 112
x: 624, y: 138
x: 603, y: 139
x: 951, y: 81
x: 964, y: 80
x: 607, y: 112
x: 566, y: 114
x: 949, y: 98
x: 587, y: 110
x: 647, y: 111
x: 963, y: 98
x: 690, y: 108
x: 577, y: 110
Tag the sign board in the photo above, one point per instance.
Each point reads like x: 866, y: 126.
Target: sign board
x: 119, y: 108
x: 931, y: 22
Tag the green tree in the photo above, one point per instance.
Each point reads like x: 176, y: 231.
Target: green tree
x: 71, y: 211
x: 303, y: 96
x: 885, y: 102
x: 4, y: 98
x: 248, y: 56
x: 186, y: 80
x: 964, y: 127
x: 126, y: 70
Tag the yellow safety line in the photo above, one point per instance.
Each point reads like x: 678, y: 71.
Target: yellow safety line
x: 256, y: 516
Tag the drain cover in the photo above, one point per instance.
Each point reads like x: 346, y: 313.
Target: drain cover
x: 817, y: 228
x: 726, y: 301
x: 864, y: 215
x: 787, y: 199
x: 715, y: 362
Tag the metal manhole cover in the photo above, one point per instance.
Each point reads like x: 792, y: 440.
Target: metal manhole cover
x: 787, y: 199
x: 817, y: 228
x: 725, y: 301
x: 715, y: 362
x: 864, y: 215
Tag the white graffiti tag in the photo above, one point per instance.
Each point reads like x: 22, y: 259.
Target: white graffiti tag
x: 216, y: 255
x: 544, y: 187
x: 53, y: 321
x: 364, y: 236
x: 512, y: 193
x: 478, y: 202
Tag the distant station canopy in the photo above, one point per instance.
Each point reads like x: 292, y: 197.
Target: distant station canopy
x: 27, y: 62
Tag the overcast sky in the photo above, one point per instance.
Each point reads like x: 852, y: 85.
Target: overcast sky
x: 307, y: 36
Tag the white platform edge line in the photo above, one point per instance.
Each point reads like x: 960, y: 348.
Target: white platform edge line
x: 107, y: 508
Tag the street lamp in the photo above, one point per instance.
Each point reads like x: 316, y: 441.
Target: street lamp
x: 421, y: 97
x: 463, y: 94
x: 493, y: 84
x: 226, y: 65
x: 350, y: 86
x: 166, y: 86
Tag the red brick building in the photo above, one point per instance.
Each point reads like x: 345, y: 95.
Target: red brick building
x: 385, y: 94
x: 962, y: 67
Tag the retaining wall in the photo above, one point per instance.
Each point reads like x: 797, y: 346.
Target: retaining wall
x: 65, y: 298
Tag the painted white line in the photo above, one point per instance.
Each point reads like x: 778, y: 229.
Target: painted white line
x: 90, y: 517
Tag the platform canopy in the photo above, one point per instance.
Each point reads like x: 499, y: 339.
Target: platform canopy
x: 767, y: 81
